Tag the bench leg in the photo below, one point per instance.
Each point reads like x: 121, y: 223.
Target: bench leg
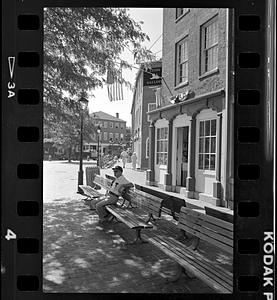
x: 138, y: 238
x: 151, y: 218
x: 195, y: 243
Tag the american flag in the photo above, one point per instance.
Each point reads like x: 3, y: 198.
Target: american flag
x: 114, y: 85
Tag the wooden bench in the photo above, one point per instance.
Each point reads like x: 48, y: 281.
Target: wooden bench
x: 207, y: 228
x: 91, y: 192
x: 122, y: 213
x: 133, y: 221
x: 103, y: 182
x: 171, y: 204
x: 149, y: 203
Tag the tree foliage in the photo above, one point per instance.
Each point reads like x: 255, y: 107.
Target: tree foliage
x: 80, y: 45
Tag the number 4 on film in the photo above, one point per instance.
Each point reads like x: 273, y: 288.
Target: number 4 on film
x: 10, y: 235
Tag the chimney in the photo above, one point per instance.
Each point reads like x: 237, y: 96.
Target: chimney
x: 117, y: 115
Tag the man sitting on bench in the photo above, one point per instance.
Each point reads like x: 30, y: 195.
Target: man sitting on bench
x: 118, y: 185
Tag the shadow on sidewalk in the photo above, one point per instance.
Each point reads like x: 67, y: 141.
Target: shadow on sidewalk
x: 80, y: 255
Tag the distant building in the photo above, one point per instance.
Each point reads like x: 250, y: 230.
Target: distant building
x: 144, y: 100
x: 191, y: 130
x: 111, y: 138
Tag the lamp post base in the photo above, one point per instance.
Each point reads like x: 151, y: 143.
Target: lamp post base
x: 80, y: 181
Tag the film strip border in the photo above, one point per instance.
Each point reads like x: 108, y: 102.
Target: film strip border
x: 22, y: 152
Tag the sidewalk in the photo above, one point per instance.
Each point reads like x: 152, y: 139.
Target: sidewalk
x: 80, y: 255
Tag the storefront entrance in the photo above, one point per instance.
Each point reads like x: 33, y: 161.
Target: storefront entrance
x: 182, y: 156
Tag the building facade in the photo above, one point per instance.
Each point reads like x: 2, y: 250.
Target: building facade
x: 111, y: 138
x: 191, y: 131
x: 144, y: 100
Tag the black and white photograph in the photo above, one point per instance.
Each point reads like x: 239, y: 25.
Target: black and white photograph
x: 138, y: 150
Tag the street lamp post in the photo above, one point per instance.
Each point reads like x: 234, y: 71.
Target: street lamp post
x: 98, y: 144
x: 83, y: 103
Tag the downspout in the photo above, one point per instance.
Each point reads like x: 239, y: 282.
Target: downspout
x: 229, y: 123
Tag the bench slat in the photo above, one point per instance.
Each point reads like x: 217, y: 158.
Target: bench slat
x: 208, y: 218
x: 210, y: 268
x: 187, y: 263
x: 213, y: 231
x: 193, y: 258
x: 228, y: 276
x: 128, y: 217
x: 220, y: 245
x: 89, y: 191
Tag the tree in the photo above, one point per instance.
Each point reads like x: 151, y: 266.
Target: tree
x: 80, y: 45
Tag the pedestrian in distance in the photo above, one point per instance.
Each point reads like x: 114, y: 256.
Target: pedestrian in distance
x: 118, y: 185
x: 134, y: 161
x: 124, y: 156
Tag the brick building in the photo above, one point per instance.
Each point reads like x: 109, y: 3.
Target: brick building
x: 191, y: 132
x: 144, y: 100
x: 111, y: 138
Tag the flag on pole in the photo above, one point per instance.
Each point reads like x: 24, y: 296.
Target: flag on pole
x: 114, y: 85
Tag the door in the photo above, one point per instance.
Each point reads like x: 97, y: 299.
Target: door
x: 182, y: 156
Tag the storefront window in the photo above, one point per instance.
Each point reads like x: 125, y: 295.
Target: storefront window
x: 207, y: 145
x: 162, y: 139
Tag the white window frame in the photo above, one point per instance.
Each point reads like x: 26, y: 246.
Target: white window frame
x: 110, y: 135
x: 111, y: 124
x: 151, y: 106
x: 116, y: 125
x: 181, y: 61
x: 209, y: 47
x: 105, y: 124
x: 161, y: 146
x: 105, y: 135
x: 206, y: 137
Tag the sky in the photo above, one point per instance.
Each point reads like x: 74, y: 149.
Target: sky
x: 152, y: 18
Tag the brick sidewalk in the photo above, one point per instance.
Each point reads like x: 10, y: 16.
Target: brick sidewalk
x: 80, y: 255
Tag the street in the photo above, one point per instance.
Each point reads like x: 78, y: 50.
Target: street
x: 80, y: 255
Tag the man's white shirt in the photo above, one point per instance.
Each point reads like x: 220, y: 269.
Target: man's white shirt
x: 116, y: 183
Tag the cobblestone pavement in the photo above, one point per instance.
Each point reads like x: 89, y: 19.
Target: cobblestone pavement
x: 80, y: 255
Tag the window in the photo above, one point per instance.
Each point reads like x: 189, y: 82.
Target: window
x: 147, y: 150
x: 105, y: 124
x: 182, y: 61
x: 111, y: 124
x: 209, y: 50
x: 105, y: 135
x: 151, y: 106
x: 110, y: 135
x: 162, y: 137
x: 180, y: 12
x: 116, y: 136
x: 207, y: 145
x: 122, y: 126
x: 121, y: 136
x: 116, y: 125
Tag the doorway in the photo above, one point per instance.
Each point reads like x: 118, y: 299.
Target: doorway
x: 182, y: 156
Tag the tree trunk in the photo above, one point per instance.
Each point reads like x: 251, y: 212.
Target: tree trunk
x: 69, y: 153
